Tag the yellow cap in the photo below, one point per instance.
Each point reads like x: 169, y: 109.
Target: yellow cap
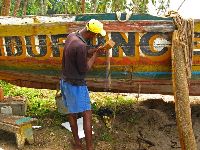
x: 96, y: 27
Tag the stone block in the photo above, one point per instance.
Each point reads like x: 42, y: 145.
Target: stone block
x: 18, y: 105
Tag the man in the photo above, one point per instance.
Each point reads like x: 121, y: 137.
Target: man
x: 78, y: 58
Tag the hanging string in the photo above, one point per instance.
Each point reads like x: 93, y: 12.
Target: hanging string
x: 181, y: 5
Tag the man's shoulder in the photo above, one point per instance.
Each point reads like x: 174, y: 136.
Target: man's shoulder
x: 72, y: 36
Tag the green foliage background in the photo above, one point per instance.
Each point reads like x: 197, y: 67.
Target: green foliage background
x: 49, y: 7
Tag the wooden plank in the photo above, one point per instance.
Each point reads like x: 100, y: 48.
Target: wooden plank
x: 139, y: 26
x: 128, y: 86
x: 9, y: 119
x: 147, y: 86
x: 197, y: 25
x: 9, y: 127
x: 15, y: 120
x: 33, y: 29
x: 68, y: 27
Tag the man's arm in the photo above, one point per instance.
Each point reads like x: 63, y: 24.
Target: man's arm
x: 92, y: 50
x: 91, y: 60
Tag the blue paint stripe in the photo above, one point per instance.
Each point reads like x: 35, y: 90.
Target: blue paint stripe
x: 152, y: 73
x: 195, y: 72
x: 23, y: 120
x: 141, y: 73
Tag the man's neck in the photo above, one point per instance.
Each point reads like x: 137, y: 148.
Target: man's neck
x: 81, y: 36
x: 84, y: 33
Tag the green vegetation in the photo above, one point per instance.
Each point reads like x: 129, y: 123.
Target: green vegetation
x: 112, y: 100
x: 41, y: 102
x: 48, y: 7
x: 106, y: 136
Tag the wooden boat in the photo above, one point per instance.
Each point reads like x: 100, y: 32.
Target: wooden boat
x: 31, y: 52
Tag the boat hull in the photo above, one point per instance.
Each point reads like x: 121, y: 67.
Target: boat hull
x: 30, y: 54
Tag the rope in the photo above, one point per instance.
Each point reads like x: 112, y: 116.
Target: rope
x: 128, y: 15
x: 181, y: 5
x: 185, y: 30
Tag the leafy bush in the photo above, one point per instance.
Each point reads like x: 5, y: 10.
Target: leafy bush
x: 39, y: 101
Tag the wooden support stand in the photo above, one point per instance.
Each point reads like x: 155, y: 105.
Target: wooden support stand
x: 19, y: 125
x: 1, y: 94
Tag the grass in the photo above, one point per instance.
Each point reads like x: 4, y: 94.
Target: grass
x: 41, y: 102
x: 112, y: 100
x: 106, y: 136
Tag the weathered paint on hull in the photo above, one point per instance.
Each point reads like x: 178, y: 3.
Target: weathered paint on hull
x: 30, y: 55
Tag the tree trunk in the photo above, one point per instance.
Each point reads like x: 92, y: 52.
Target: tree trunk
x: 94, y: 4
x: 17, y: 4
x: 6, y: 8
x: 45, y: 7
x: 42, y: 7
x: 25, y: 7
x: 66, y: 10
x: 83, y: 6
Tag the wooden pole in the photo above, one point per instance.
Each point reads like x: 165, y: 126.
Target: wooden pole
x: 1, y: 94
x: 25, y: 7
x: 181, y: 95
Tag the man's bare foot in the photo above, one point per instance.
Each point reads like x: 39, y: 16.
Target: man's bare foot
x: 77, y: 146
x: 90, y: 148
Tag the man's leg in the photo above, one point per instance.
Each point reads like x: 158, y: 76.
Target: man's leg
x: 74, y: 127
x: 87, y: 126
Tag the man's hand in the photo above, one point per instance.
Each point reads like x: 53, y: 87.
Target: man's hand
x: 101, y: 49
x: 95, y: 50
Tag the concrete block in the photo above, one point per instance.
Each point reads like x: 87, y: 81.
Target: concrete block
x: 18, y: 105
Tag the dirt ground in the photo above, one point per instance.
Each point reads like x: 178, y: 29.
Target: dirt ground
x: 149, y: 124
